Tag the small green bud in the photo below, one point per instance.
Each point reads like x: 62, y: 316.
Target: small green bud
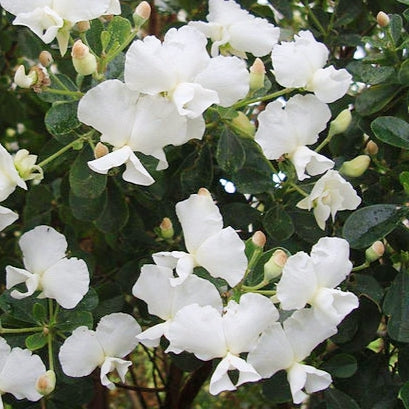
x: 371, y: 148
x: 259, y: 239
x: 341, y: 122
x: 142, y: 13
x: 274, y: 267
x: 243, y: 124
x: 374, y: 252
x: 166, y: 228
x: 46, y: 383
x: 84, y: 62
x: 257, y: 74
x: 355, y: 167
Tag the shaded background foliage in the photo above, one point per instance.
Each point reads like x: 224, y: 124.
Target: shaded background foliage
x: 112, y: 224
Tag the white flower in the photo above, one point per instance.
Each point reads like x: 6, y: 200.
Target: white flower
x: 330, y: 194
x: 206, y: 333
x: 113, y: 339
x: 53, y: 18
x: 311, y: 280
x: 220, y: 251
x: 286, y: 130
x: 9, y: 177
x: 131, y: 122
x: 299, y: 64
x: 19, y: 371
x: 229, y: 25
x: 164, y: 300
x: 48, y: 269
x: 181, y: 69
x: 7, y: 217
x: 285, y: 348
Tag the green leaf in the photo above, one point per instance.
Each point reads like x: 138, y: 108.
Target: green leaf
x: 347, y: 11
x: 87, y: 210
x: 396, y: 305
x: 341, y: 366
x: 278, y: 224
x: 36, y: 341
x: 39, y: 312
x: 230, y: 153
x: 336, y: 399
x: 369, y: 74
x: 277, y: 389
x: 404, y: 395
x: 369, y: 224
x: 375, y: 98
x: 115, y: 213
x: 119, y: 29
x: 403, y: 74
x: 404, y: 2
x: 391, y: 130
x: 284, y: 7
x: 83, y: 181
x: 61, y: 118
x: 395, y: 27
x: 38, y: 206
x: 366, y: 285
x: 59, y: 82
x: 93, y: 36
x: 68, y: 321
x: 404, y: 180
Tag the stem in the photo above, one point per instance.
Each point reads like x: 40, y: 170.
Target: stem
x: 50, y: 336
x: 362, y: 266
x: 266, y: 292
x: 139, y: 388
x: 314, y: 18
x: 325, y: 142
x: 78, y: 94
x: 20, y: 330
x: 299, y: 190
x: 59, y: 153
x: 276, y: 94
x: 256, y: 287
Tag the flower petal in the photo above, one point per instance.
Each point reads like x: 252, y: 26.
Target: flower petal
x: 136, y: 173
x: 75, y: 10
x: 200, y: 218
x: 191, y: 326
x: 306, y: 160
x: 7, y: 217
x: 67, y: 282
x: 222, y: 255
x: 9, y: 177
x: 81, y: 353
x: 111, y: 160
x: 22, y: 6
x: 117, y: 333
x: 298, y: 283
x: 240, y: 328
x: 151, y: 336
x: 42, y: 247
x: 16, y: 276
x: 111, y: 364
x: 20, y: 373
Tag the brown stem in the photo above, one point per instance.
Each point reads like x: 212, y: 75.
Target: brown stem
x: 138, y: 388
x: 100, y: 400
x: 173, y: 387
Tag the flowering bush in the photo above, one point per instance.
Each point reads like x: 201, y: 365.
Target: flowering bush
x: 204, y: 197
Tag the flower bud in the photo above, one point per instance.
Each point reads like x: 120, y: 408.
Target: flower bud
x: 259, y: 239
x: 341, y: 122
x: 45, y: 58
x: 84, y: 62
x: 243, y: 124
x: 166, y: 228
x: 203, y: 192
x: 142, y: 13
x: 371, y: 148
x: 374, y: 252
x: 355, y: 167
x: 26, y: 167
x: 46, y: 383
x: 274, y: 267
x: 100, y: 150
x: 83, y: 26
x: 257, y: 74
x: 382, y: 19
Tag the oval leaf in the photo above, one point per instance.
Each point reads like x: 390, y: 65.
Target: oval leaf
x: 230, y: 153
x: 36, y: 341
x: 61, y: 118
x: 341, y: 366
x: 278, y: 224
x: 391, y: 130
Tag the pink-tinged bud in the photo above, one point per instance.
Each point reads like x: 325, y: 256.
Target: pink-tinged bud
x: 142, y: 13
x: 203, y: 192
x: 100, y: 150
x: 83, y: 26
x: 46, y: 383
x: 274, y: 267
x: 45, y: 58
x: 371, y: 148
x: 84, y: 62
x: 382, y: 19
x: 242, y: 123
x: 257, y: 74
x: 259, y: 239
x: 166, y: 228
x: 355, y: 167
x: 374, y: 252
